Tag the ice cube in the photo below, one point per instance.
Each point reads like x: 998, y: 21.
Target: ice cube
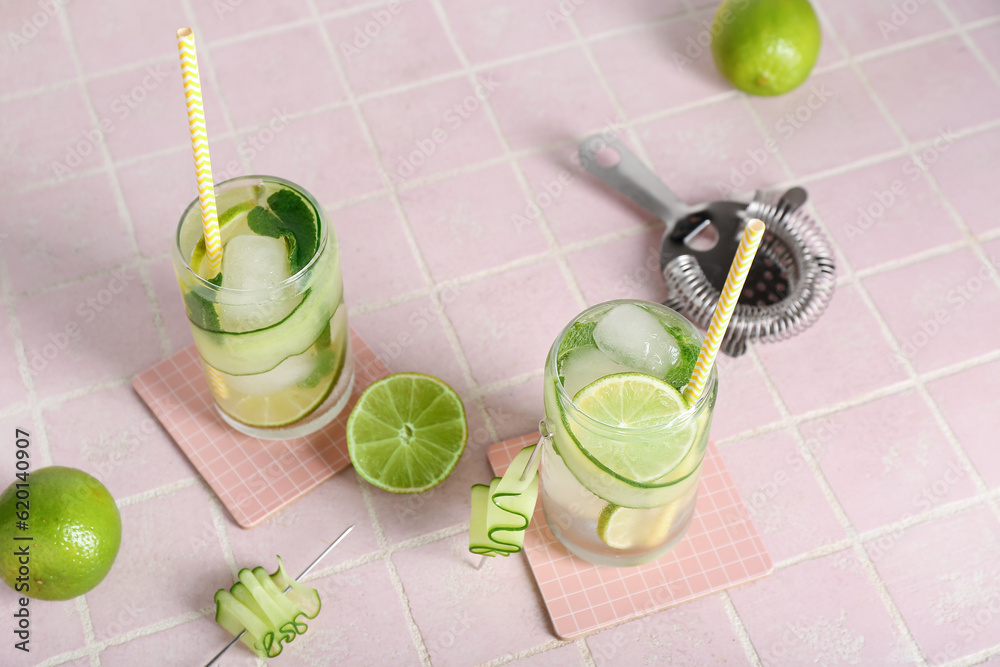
x: 252, y: 262
x: 634, y: 338
x: 585, y: 365
x: 288, y: 373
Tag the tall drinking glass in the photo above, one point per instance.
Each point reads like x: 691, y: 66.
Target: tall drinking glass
x: 620, y: 472
x: 271, y: 329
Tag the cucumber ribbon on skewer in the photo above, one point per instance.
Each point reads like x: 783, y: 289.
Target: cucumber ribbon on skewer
x: 258, y: 604
x: 502, y: 510
x: 262, y: 614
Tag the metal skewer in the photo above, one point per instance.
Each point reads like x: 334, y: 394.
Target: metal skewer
x: 304, y: 573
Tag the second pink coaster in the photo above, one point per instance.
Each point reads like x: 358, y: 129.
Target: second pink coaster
x: 721, y: 549
x: 253, y: 478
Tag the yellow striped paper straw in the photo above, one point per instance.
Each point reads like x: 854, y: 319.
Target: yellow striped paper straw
x: 752, y: 235
x: 199, y: 144
x: 216, y: 382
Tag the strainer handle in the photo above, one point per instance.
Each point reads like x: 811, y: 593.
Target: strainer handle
x: 632, y: 178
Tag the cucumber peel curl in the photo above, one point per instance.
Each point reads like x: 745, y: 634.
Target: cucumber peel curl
x: 501, y: 511
x: 258, y: 604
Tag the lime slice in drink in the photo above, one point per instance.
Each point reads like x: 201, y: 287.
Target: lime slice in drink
x: 636, y: 401
x: 406, y: 433
x: 290, y: 391
x: 287, y: 407
x: 225, y: 230
x: 627, y: 528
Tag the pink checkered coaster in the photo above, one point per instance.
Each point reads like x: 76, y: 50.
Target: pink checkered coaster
x: 721, y: 549
x: 253, y: 478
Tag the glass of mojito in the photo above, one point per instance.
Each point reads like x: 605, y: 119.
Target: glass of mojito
x: 271, y: 328
x: 620, y: 470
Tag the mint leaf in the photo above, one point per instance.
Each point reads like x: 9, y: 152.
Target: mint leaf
x: 679, y: 375
x: 201, y: 312
x: 289, y: 217
x: 580, y: 334
x: 298, y: 217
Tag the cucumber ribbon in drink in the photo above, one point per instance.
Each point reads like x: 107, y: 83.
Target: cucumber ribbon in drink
x: 271, y: 326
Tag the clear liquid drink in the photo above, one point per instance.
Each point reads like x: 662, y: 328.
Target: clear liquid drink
x: 620, y: 474
x: 271, y: 328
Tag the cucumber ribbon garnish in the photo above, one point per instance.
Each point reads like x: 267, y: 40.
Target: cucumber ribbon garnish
x: 257, y: 603
x: 501, y: 511
x: 259, y: 610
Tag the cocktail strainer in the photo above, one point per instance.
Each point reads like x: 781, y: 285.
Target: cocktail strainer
x: 790, y: 282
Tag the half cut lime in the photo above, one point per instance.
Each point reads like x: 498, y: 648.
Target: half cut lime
x: 406, y: 433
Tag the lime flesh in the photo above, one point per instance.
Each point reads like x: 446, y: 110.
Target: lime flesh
x: 407, y: 433
x: 636, y: 401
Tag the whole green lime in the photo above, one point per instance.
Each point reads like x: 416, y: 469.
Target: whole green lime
x: 75, y: 532
x: 765, y: 47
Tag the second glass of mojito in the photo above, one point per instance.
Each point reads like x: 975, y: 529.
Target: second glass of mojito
x: 620, y: 472
x: 271, y: 328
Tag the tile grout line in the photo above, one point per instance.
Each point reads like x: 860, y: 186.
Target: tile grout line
x: 863, y: 558
x: 432, y: 286
x: 7, y: 300
x: 866, y: 161
x: 860, y: 400
x: 442, y: 534
x: 831, y: 497
x: 82, y: 79
x: 159, y: 492
x: 223, y: 42
x: 14, y: 408
x: 887, y: 334
x: 977, y: 250
x: 219, y: 523
x: 902, y: 47
x: 215, y: 507
x: 506, y: 60
x: 739, y: 628
x: 915, y: 258
x: 54, y: 401
x: 447, y: 325
x: 415, y: 634
x: 543, y: 225
x: 124, y: 215
x: 89, y: 633
x: 944, y: 511
x: 870, y: 305
x: 131, y: 635
x: 894, y: 153
x: 976, y: 658
x: 554, y: 251
x: 742, y: 634
x: 963, y: 33
x: 385, y: 555
x: 527, y: 653
x: 731, y: 612
x: 584, y: 648
x: 186, y: 617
